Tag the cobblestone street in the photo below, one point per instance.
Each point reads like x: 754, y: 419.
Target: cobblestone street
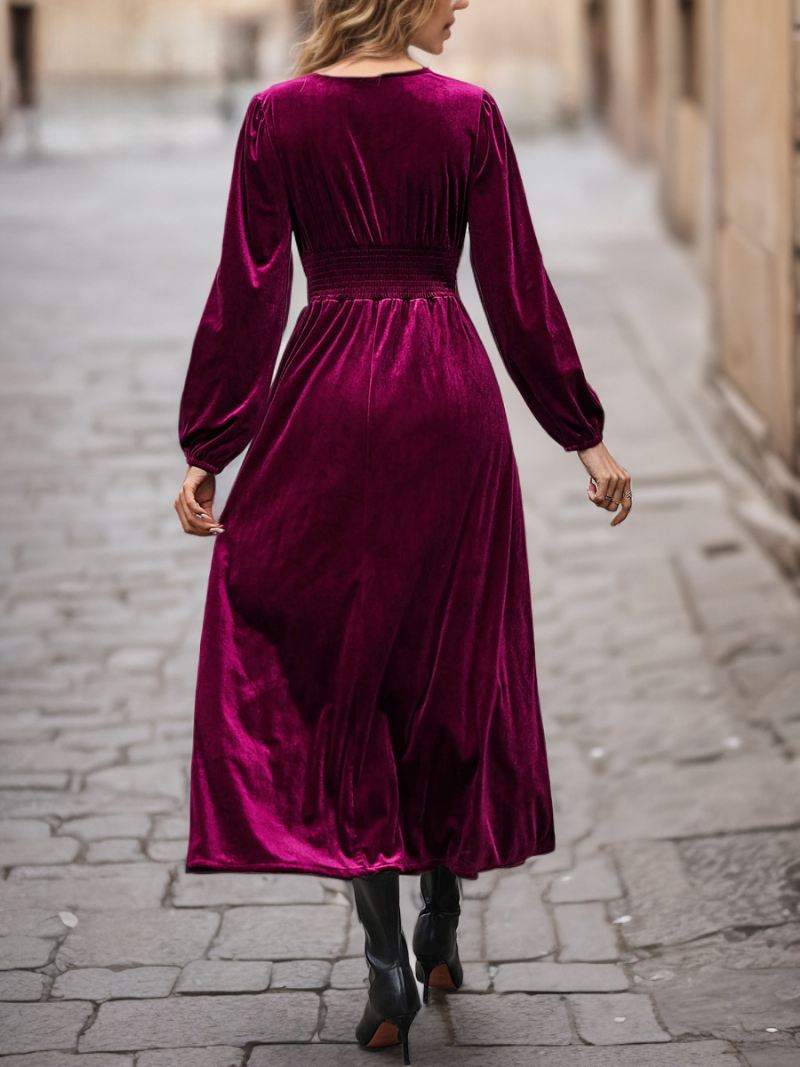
x: 663, y: 932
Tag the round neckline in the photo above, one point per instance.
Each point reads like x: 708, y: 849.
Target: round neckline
x: 371, y: 77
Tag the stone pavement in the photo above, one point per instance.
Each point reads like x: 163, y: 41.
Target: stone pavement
x: 663, y: 932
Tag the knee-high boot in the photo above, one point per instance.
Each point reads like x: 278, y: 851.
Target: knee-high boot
x: 393, y: 995
x: 434, y: 940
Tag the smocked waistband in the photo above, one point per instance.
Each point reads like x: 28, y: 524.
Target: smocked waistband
x: 381, y: 270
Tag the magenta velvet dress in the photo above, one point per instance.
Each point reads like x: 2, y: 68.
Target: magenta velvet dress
x: 366, y: 692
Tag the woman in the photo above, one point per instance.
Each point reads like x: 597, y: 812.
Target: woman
x: 366, y: 699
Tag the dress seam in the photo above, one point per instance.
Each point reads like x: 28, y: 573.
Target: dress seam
x: 364, y: 552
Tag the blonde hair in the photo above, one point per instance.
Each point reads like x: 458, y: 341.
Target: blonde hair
x: 362, y: 28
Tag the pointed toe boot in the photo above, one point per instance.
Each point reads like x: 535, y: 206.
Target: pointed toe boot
x: 393, y: 999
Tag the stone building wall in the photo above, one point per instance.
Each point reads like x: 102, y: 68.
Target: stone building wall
x: 755, y: 369
x: 707, y: 91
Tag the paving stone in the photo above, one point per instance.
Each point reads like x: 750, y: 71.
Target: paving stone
x: 114, y: 850
x: 78, y: 887
x: 470, y: 932
x: 221, y: 1056
x: 547, y: 977
x: 349, y: 973
x: 778, y: 704
x: 208, y: 976
x: 46, y: 757
x: 591, y: 879
x: 21, y: 951
x: 23, y: 829
x: 98, y: 983
x: 675, y: 801
x: 343, y: 1010
x: 207, y: 890
x: 21, y: 985
x: 659, y: 895
x: 700, y: 729
x: 682, y: 891
x: 147, y: 936
x: 62, y: 1059
x: 281, y: 932
x: 179, y: 1022
x: 510, y: 1019
x: 477, y: 978
x: 615, y: 1018
x: 136, y: 659
x: 171, y: 827
x: 32, y: 922
x: 559, y: 860
x: 685, y: 1054
x: 37, y: 803
x: 300, y: 974
x: 39, y: 1027
x: 167, y: 851
x: 756, y: 874
x: 106, y: 736
x: 516, y: 922
x: 355, y: 934
x: 769, y: 1056
x: 735, y: 1005
x: 166, y: 777
x: 739, y: 948
x: 34, y: 779
x: 584, y: 933
x: 95, y: 827
x: 471, y: 888
x: 39, y: 850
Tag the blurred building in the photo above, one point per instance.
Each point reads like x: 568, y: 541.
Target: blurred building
x: 47, y: 45
x: 532, y: 56
x: 708, y: 90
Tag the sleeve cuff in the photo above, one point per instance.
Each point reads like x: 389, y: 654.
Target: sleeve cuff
x: 590, y: 442
x: 203, y: 464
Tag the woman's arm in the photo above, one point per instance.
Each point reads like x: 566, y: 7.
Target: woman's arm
x: 524, y: 313
x: 237, y: 340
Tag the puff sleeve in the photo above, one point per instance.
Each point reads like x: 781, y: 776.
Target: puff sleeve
x: 524, y: 314
x: 236, y: 343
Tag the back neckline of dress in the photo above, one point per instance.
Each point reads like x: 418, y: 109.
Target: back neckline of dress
x: 370, y: 77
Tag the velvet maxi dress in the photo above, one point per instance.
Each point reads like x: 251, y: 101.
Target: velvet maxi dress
x: 366, y: 691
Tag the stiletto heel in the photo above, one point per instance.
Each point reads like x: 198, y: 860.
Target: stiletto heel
x: 403, y: 1026
x: 393, y: 1000
x: 423, y: 972
x: 434, y: 941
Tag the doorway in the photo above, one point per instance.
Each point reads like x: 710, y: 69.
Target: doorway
x: 21, y: 33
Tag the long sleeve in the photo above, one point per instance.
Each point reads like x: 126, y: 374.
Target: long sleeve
x: 524, y: 314
x: 236, y: 344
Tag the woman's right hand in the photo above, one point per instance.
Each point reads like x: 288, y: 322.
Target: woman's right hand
x: 609, y: 483
x: 195, y: 503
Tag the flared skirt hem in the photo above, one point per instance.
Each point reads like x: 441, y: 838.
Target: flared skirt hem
x: 355, y: 871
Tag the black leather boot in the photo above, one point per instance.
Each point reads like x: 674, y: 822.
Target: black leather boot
x: 393, y: 995
x: 434, y: 940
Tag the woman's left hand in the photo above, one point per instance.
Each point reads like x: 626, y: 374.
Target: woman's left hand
x: 195, y: 503
x: 609, y: 483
